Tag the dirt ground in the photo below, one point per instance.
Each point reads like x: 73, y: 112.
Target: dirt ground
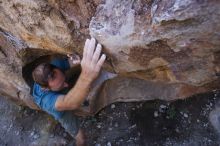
x: 179, y: 123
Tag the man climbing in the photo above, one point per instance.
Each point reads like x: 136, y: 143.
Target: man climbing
x: 50, y: 88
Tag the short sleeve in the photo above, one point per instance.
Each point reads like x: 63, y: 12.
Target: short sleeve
x: 48, y: 104
x: 61, y: 63
x: 46, y: 100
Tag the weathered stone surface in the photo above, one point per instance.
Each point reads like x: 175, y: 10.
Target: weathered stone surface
x: 12, y: 83
x: 214, y: 117
x: 23, y: 126
x: 166, y: 49
x: 178, y: 38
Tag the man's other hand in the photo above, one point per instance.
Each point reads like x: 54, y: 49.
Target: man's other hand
x: 74, y: 59
x: 91, y: 62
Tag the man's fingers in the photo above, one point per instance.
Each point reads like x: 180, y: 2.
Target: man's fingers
x: 76, y: 62
x: 96, y: 55
x: 91, y: 48
x: 68, y: 55
x: 100, y: 62
x: 77, y: 57
x: 86, y: 48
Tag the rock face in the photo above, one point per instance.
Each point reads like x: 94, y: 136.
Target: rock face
x: 166, y: 49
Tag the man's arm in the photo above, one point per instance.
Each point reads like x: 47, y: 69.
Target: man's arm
x: 91, y: 65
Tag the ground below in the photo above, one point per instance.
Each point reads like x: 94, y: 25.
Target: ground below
x: 183, y: 122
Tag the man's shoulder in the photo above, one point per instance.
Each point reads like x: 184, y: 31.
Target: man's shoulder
x: 46, y: 100
x: 38, y: 91
x: 43, y: 96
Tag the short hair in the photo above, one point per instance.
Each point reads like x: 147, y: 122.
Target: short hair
x: 42, y: 73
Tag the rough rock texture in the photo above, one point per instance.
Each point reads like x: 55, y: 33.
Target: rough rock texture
x: 25, y: 127
x: 166, y: 49
x: 179, y: 123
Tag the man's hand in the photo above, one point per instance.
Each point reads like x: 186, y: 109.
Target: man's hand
x: 91, y: 62
x: 91, y: 65
x: 74, y: 59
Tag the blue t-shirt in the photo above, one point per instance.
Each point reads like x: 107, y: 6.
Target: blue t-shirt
x: 46, y: 99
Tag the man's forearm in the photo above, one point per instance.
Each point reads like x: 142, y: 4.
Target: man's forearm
x: 91, y: 65
x: 75, y: 97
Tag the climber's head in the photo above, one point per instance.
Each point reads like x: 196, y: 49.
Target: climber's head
x: 49, y: 76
